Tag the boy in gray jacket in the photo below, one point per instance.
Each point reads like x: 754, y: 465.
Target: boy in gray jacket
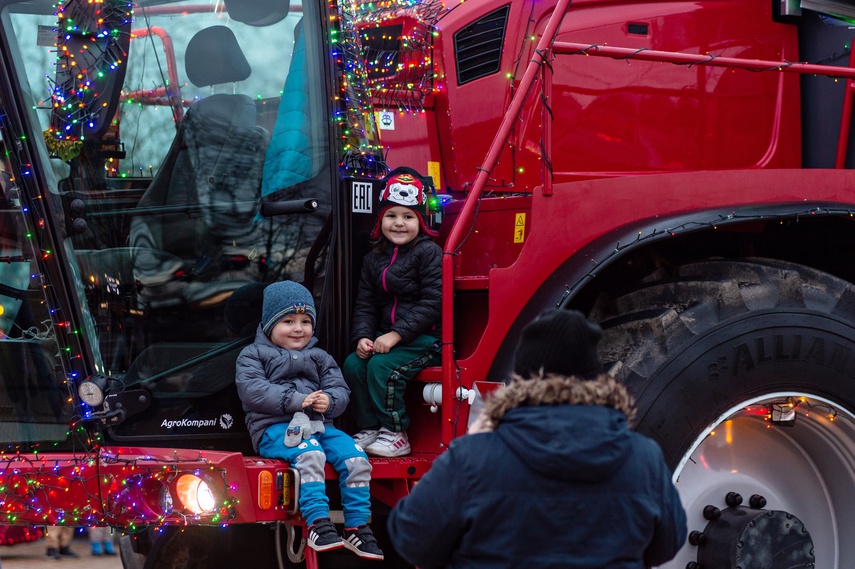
x: 291, y: 390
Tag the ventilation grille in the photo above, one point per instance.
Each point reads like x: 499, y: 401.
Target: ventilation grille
x: 478, y: 46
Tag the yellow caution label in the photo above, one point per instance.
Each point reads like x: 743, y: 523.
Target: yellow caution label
x: 286, y: 489
x: 433, y: 172
x: 519, y: 228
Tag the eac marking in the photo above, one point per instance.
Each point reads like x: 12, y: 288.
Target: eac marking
x: 362, y: 197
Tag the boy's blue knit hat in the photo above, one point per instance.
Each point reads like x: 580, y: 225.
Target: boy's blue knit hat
x: 283, y: 298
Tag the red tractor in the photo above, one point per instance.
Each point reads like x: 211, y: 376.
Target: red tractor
x: 675, y: 170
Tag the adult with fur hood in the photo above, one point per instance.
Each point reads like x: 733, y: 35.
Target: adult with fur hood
x: 553, y: 477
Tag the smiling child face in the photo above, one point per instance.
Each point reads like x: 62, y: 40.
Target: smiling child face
x: 400, y: 225
x: 293, y: 332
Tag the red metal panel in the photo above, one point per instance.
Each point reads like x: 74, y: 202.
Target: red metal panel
x: 632, y: 116
x: 410, y: 135
x: 495, y: 239
x: 578, y: 213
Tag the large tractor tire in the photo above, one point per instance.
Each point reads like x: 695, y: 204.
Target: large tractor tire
x: 744, y: 373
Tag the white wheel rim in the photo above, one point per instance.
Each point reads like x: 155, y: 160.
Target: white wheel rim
x: 806, y: 470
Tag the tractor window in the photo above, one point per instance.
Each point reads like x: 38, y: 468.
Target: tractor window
x: 165, y: 129
x: 33, y: 390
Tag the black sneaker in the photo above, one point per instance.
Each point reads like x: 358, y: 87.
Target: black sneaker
x: 362, y: 542
x: 322, y: 535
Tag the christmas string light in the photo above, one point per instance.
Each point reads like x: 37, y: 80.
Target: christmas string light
x: 399, y: 77
x: 91, y: 44
x: 398, y: 58
x: 36, y: 245
x: 771, y: 411
x: 93, y: 486
x: 108, y: 488
x: 362, y: 155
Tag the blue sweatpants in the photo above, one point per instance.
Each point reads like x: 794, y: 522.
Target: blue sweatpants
x: 308, y: 458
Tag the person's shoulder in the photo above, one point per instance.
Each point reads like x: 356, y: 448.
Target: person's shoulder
x: 372, y: 253
x: 472, y: 442
x: 426, y: 244
x: 251, y: 349
x: 372, y: 259
x: 317, y: 352
x: 426, y: 241
x: 473, y: 452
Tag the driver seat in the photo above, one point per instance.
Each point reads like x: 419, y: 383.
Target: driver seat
x: 201, y: 206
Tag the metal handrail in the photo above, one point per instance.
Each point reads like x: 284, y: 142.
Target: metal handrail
x: 467, y: 212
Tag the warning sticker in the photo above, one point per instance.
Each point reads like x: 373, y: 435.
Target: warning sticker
x: 46, y: 36
x: 519, y: 228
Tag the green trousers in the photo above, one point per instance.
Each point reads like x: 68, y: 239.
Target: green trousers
x: 377, y: 384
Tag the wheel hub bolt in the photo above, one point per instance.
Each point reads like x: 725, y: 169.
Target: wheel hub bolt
x: 733, y: 499
x: 757, y: 501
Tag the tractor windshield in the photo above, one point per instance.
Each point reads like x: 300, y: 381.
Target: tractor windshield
x: 163, y: 130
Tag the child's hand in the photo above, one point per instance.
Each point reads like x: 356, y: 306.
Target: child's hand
x: 364, y: 348
x: 386, y: 342
x: 311, y: 399
x: 321, y: 402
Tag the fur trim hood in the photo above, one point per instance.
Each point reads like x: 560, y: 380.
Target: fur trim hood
x: 604, y: 390
x: 564, y: 427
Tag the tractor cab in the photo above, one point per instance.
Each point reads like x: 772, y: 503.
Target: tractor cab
x: 185, y: 161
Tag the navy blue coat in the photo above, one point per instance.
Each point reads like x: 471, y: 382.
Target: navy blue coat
x: 564, y: 486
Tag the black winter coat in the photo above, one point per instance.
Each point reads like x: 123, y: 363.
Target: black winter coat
x: 400, y: 289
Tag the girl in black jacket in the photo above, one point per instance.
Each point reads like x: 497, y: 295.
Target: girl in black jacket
x: 396, y: 319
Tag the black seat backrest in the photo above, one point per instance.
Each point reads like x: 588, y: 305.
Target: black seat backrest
x: 257, y: 12
x: 213, y: 57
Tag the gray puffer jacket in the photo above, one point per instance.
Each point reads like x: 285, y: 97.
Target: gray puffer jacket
x: 272, y: 383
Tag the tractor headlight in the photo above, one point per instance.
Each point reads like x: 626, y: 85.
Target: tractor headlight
x: 195, y: 494
x: 92, y: 390
x: 165, y: 501
x: 141, y: 497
